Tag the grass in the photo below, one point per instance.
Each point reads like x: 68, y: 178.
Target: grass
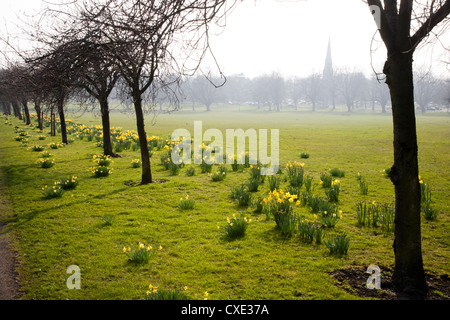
x: 52, y: 234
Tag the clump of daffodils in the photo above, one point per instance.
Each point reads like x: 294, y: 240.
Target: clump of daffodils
x: 68, y: 183
x: 141, y: 254
x: 54, y: 191
x: 280, y: 205
x: 155, y: 293
x: 280, y: 201
x: 219, y: 176
x: 101, y: 171
x: 329, y: 219
x: 45, y: 162
x: 236, y: 226
x: 186, y: 203
x: 295, y: 174
x: 102, y: 160
x: 334, y: 190
x: 136, y: 163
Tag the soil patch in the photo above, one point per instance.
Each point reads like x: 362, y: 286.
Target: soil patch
x: 354, y: 281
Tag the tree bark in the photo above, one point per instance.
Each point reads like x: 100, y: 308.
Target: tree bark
x: 37, y: 107
x: 17, y: 111
x: 52, y: 123
x: 27, y: 112
x: 107, y: 143
x: 145, y: 157
x: 62, y: 120
x: 408, y: 277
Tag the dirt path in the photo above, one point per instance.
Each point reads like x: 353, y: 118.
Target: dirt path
x: 9, y: 286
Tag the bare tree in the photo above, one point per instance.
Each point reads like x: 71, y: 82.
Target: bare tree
x: 313, y: 87
x: 276, y: 90
x: 204, y: 92
x: 259, y: 91
x: 14, y: 93
x: 57, y: 76
x: 149, y: 41
x: 351, y: 85
x: 403, y: 26
x: 379, y: 92
x: 425, y: 89
x: 296, y: 91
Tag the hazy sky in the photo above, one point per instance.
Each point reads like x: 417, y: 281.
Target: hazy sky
x: 291, y: 37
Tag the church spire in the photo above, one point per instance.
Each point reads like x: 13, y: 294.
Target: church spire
x: 328, y: 69
x: 328, y: 81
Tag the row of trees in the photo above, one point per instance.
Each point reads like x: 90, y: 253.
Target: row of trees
x: 85, y: 49
x: 351, y: 89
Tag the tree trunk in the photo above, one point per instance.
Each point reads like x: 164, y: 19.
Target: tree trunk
x: 145, y: 157
x: 52, y: 123
x: 62, y: 120
x: 107, y: 143
x: 349, y: 106
x: 27, y: 112
x: 17, y: 111
x: 408, y: 277
x: 37, y: 107
x: 7, y: 108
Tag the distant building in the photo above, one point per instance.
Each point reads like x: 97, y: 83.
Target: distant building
x: 328, y: 93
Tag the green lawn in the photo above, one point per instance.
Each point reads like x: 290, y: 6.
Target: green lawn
x: 51, y: 235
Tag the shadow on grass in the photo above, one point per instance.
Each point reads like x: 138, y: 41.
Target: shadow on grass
x: 29, y: 216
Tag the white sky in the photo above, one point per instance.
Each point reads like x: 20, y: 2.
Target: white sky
x: 291, y: 37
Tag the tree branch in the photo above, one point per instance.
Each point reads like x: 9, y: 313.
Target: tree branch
x: 386, y: 29
x: 433, y: 20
